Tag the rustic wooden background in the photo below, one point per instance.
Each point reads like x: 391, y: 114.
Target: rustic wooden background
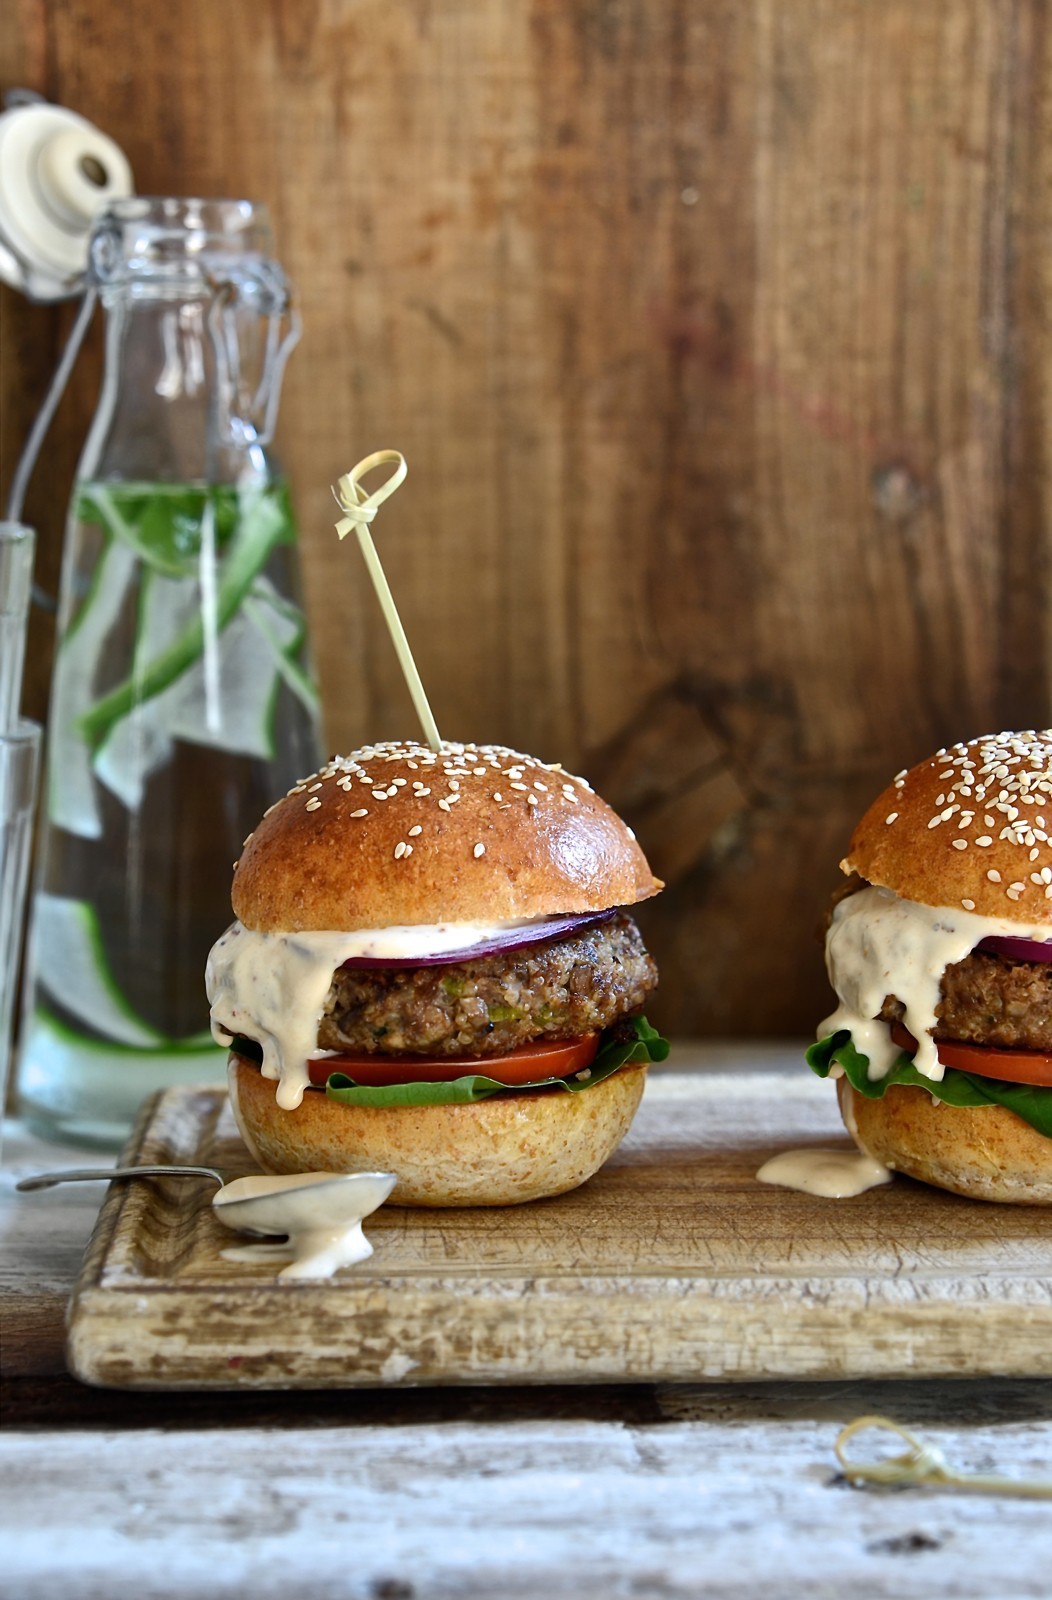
x: 717, y: 339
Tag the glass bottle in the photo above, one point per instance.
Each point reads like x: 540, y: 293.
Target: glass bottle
x: 182, y: 702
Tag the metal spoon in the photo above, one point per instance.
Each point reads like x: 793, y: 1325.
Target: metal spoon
x: 319, y: 1213
x: 48, y: 1180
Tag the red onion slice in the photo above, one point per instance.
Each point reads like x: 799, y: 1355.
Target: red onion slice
x: 504, y: 943
x: 1017, y: 949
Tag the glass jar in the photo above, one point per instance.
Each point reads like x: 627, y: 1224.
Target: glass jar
x: 182, y: 702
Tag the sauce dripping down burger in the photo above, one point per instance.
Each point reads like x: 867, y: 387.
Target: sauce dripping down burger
x: 940, y: 952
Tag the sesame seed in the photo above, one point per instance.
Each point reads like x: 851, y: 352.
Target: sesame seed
x: 569, y: 795
x: 400, y: 849
x: 993, y: 875
x: 934, y: 823
x: 984, y: 840
x: 480, y: 772
x: 969, y: 905
x: 479, y: 850
x: 960, y: 844
x: 537, y: 784
x: 891, y: 817
x: 313, y: 804
x: 245, y: 841
x: 379, y: 794
x: 415, y: 830
x: 423, y: 792
x: 444, y: 805
x: 531, y: 800
x: 392, y: 791
x: 408, y: 849
x: 498, y: 797
x: 1035, y: 852
x: 361, y: 812
x: 314, y: 787
x: 518, y: 786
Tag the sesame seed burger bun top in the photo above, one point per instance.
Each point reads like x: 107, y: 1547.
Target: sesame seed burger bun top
x: 394, y: 835
x: 970, y: 827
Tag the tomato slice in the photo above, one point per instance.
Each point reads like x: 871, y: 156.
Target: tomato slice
x: 986, y: 1060
x: 548, y: 1058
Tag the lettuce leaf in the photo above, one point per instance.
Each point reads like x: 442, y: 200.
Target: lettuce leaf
x: 614, y: 1053
x: 1032, y: 1103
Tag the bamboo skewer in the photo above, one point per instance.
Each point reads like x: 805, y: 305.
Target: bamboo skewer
x: 359, y: 509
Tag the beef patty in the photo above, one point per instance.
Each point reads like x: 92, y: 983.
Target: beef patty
x: 990, y: 999
x: 554, y: 990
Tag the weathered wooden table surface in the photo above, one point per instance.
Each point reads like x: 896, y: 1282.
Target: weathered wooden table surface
x: 615, y: 1491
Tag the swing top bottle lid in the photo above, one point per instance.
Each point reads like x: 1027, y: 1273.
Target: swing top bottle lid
x: 57, y: 171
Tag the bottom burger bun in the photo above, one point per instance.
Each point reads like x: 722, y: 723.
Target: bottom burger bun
x: 983, y: 1152
x: 495, y: 1152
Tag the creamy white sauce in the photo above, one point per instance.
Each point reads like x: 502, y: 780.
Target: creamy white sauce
x: 879, y: 944
x: 836, y: 1174
x: 272, y: 987
x: 321, y: 1212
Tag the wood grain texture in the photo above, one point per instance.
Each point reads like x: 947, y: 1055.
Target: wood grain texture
x: 387, y: 1494
x: 715, y: 337
x: 672, y: 1263
x: 730, y: 1496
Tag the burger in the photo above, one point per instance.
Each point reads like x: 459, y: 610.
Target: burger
x: 434, y: 971
x: 939, y: 948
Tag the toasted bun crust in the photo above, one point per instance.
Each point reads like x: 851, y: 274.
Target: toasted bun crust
x: 938, y: 831
x: 495, y: 1153
x: 498, y: 836
x: 984, y: 1152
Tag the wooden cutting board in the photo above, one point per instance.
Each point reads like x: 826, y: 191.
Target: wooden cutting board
x: 672, y: 1264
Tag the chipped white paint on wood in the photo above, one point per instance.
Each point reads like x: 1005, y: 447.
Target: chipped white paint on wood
x: 722, y: 1501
